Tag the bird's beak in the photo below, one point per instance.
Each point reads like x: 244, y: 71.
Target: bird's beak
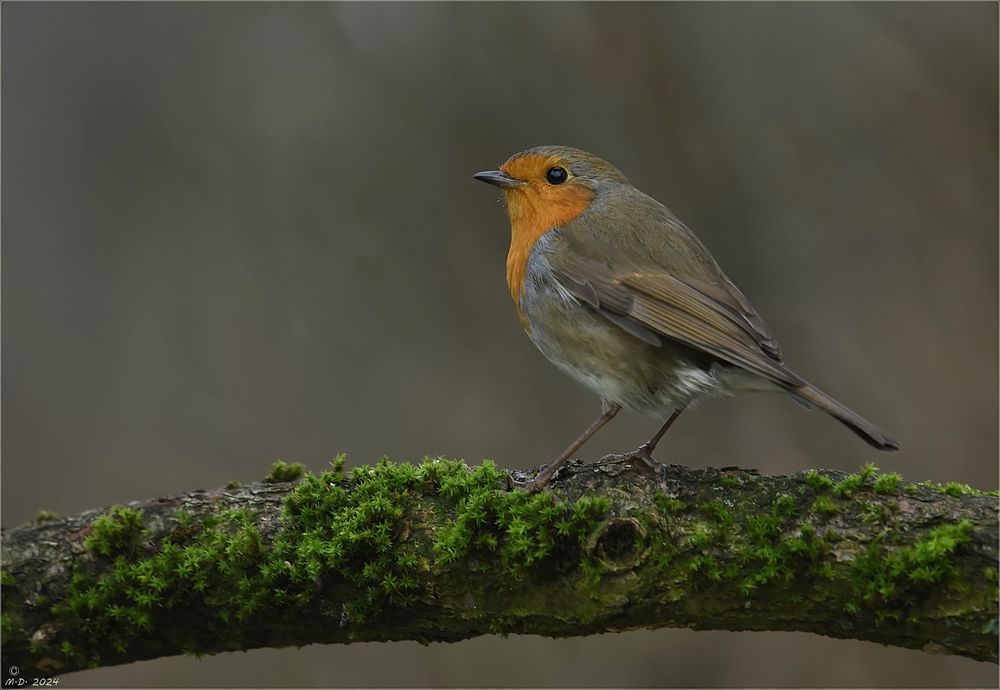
x: 498, y: 178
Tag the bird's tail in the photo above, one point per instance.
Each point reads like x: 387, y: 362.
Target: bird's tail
x: 862, y: 427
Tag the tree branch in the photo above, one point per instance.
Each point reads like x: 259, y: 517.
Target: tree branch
x: 442, y: 552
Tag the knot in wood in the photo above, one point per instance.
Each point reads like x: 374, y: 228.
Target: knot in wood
x: 620, y: 542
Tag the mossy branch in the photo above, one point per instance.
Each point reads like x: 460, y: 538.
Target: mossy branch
x: 442, y: 552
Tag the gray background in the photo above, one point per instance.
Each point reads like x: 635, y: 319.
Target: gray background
x: 240, y: 232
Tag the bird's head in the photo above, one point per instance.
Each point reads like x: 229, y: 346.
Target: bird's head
x: 547, y: 186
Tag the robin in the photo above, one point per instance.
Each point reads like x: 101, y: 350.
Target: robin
x: 620, y: 295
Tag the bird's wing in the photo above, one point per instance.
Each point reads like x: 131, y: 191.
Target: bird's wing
x: 728, y: 295
x: 651, y: 303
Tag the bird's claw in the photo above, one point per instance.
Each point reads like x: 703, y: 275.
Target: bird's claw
x: 539, y: 483
x: 513, y: 482
x: 643, y: 453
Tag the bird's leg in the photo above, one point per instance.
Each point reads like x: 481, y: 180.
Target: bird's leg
x: 645, y: 451
x: 647, y: 448
x: 545, y: 476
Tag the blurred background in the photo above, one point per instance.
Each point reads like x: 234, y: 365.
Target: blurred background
x: 234, y: 233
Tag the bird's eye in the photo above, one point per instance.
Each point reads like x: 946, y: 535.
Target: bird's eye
x: 556, y: 175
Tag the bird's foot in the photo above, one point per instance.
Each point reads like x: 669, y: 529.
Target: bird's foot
x: 643, y: 453
x: 517, y: 481
x: 545, y: 476
x: 536, y: 486
x: 539, y: 483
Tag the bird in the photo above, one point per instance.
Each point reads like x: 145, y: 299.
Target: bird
x: 620, y: 295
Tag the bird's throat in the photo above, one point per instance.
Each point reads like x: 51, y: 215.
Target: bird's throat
x: 533, y: 213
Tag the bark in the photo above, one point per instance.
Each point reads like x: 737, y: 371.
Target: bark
x: 443, y: 552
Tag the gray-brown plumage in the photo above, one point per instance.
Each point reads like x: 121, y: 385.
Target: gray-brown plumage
x: 620, y: 294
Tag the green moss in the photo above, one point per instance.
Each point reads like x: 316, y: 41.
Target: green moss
x: 119, y: 531
x: 893, y: 580
x: 784, y: 505
x: 185, y: 520
x: 339, y: 529
x: 719, y: 513
x: 708, y: 566
x: 767, y: 547
x: 701, y: 537
x: 346, y: 543
x: 956, y: 489
x: 531, y: 526
x: 824, y: 505
x: 819, y: 482
x: 6, y: 579
x: 343, y: 538
x: 950, y: 489
x: 285, y: 472
x: 337, y: 464
x: 720, y: 525
x: 868, y: 470
x: 887, y: 483
x: 730, y: 482
x: 46, y: 516
x: 872, y: 512
x: 846, y: 487
x: 667, y: 504
x: 772, y: 550
x: 209, y: 566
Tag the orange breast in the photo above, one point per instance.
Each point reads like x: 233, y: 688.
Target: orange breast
x: 534, y: 210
